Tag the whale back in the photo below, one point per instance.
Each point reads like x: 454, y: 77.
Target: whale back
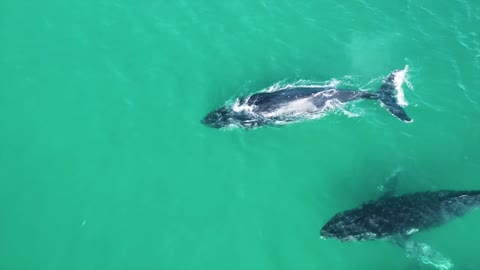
x: 267, y: 101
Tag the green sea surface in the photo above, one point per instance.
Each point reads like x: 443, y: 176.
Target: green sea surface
x: 104, y: 163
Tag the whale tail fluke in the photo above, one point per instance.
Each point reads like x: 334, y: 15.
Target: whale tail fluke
x: 387, y: 96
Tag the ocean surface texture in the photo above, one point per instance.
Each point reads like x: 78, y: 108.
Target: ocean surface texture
x: 104, y: 163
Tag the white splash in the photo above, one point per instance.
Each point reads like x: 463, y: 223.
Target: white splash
x: 349, y: 114
x: 411, y: 231
x: 242, y: 107
x: 300, y: 83
x: 338, y: 107
x: 398, y: 80
x: 275, y: 87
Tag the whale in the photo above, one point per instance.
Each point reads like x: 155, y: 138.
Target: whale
x: 396, y: 218
x: 296, y: 103
x: 400, y: 215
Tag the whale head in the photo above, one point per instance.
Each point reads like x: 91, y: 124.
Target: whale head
x: 348, y: 227
x: 220, y: 118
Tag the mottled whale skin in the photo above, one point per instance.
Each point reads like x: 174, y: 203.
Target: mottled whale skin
x: 400, y: 215
x: 293, y: 103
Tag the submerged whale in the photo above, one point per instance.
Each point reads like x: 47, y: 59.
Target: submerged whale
x: 397, y: 218
x: 401, y: 215
x: 295, y: 103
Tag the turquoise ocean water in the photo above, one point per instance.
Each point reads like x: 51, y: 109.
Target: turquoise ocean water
x: 104, y: 163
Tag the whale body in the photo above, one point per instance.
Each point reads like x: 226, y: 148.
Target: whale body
x: 400, y: 215
x: 295, y: 103
x: 398, y: 218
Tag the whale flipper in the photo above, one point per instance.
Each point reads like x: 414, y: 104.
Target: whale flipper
x: 386, y: 94
x: 423, y: 253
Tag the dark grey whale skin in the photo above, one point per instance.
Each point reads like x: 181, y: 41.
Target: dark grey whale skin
x: 401, y: 215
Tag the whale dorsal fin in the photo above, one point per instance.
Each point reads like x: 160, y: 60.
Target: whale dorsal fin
x: 390, y: 186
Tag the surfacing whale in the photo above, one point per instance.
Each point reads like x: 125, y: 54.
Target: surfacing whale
x: 296, y: 103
